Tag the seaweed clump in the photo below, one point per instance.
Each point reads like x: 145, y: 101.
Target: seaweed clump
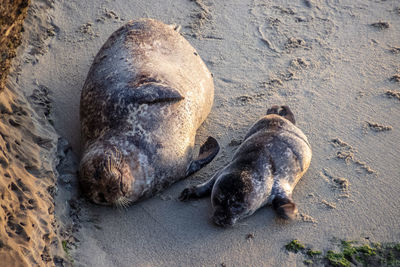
x: 350, y: 254
x: 294, y: 246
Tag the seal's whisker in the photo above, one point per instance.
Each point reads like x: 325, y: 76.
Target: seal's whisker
x: 108, y: 163
x: 122, y: 202
x: 119, y: 204
x: 118, y: 157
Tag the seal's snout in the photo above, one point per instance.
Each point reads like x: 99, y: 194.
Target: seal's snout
x: 224, y: 222
x: 102, y: 179
x: 223, y: 219
x: 101, y: 191
x: 100, y: 198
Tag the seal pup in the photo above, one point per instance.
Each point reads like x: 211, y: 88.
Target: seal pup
x: 146, y: 94
x: 264, y: 170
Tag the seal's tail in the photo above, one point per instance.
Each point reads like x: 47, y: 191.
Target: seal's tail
x: 284, y: 207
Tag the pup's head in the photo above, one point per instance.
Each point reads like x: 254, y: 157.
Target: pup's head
x: 230, y: 198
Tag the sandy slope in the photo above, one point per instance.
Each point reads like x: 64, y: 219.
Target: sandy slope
x: 322, y: 58
x: 28, y: 144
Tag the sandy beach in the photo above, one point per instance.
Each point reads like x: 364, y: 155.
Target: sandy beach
x: 335, y: 63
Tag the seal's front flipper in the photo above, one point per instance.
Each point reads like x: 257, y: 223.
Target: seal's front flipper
x: 153, y: 92
x: 198, y: 191
x: 207, y: 153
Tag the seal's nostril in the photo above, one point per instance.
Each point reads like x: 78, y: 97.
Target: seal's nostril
x: 102, y: 198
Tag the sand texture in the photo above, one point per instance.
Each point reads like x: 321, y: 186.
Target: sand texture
x: 29, y: 232
x: 27, y: 152
x: 335, y: 63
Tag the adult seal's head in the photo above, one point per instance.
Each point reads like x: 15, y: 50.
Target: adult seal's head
x: 106, y: 177
x: 264, y: 170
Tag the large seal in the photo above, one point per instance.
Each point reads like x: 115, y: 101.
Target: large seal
x: 264, y: 170
x: 146, y: 94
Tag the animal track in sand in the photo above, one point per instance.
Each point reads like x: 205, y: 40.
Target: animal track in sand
x: 395, y: 78
x: 393, y: 94
x: 307, y: 218
x: 381, y: 25
x: 200, y: 18
x: 338, y: 182
x: 395, y: 50
x: 330, y: 205
x: 108, y: 14
x: 87, y: 29
x: 376, y: 127
x: 300, y: 63
x: 347, y: 153
x: 278, y: 32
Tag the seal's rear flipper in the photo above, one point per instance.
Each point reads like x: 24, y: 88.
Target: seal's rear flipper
x: 273, y: 110
x: 283, y: 111
x: 207, y: 153
x: 287, y: 114
x: 284, y: 207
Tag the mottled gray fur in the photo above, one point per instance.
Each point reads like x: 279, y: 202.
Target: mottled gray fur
x: 146, y: 94
x: 264, y: 170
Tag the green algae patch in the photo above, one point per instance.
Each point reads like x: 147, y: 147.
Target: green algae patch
x: 359, y: 254
x: 66, y: 248
x: 337, y: 259
x: 313, y: 253
x: 308, y: 262
x: 348, y: 250
x: 294, y: 246
x: 366, y: 250
x: 349, y: 253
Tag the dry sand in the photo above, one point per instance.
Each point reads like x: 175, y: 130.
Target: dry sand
x: 28, y: 143
x: 335, y: 63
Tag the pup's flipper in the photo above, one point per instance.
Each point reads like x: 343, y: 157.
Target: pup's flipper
x: 198, y: 191
x: 207, y: 153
